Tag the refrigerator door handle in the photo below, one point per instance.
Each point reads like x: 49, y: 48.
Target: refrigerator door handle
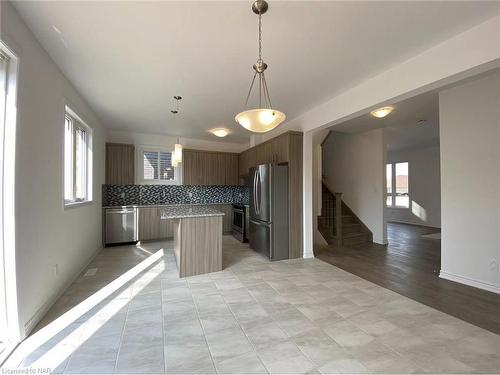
x: 260, y: 224
x: 257, y: 196
x: 258, y: 191
x: 255, y: 191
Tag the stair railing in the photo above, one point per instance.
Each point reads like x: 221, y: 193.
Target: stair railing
x: 338, y: 217
x: 337, y: 212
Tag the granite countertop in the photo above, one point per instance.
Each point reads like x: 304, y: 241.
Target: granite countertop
x: 182, y: 212
x: 169, y: 205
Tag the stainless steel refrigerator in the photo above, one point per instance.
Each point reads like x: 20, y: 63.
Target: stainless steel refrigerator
x: 268, y: 232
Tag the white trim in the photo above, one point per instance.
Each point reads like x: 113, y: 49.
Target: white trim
x: 420, y: 224
x: 89, y: 192
x: 139, y: 167
x: 308, y: 254
x: 470, y: 282
x: 8, y: 236
x: 380, y: 241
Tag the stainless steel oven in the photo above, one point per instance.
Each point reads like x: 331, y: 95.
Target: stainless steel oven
x: 239, y: 222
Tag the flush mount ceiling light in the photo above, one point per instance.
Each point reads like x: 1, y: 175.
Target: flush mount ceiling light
x: 219, y: 132
x: 263, y: 118
x: 382, y: 112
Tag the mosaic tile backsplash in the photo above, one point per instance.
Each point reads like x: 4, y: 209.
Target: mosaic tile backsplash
x: 141, y: 195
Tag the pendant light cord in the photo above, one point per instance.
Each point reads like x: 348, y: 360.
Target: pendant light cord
x: 262, y: 77
x: 260, y: 37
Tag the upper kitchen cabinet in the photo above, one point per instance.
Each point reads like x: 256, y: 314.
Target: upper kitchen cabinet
x: 274, y: 151
x: 247, y: 159
x: 209, y: 168
x: 120, y: 161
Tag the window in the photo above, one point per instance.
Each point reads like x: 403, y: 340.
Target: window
x: 157, y: 167
x: 397, y: 176
x: 77, y: 160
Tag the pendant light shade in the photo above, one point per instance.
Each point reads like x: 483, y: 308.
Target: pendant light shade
x: 263, y: 118
x: 177, y: 155
x: 260, y: 120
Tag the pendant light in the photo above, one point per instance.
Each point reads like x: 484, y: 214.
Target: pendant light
x: 177, y: 154
x: 264, y: 118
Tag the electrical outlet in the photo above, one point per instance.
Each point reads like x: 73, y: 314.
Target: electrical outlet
x: 190, y: 195
x: 122, y: 195
x: 56, y: 269
x: 495, y: 265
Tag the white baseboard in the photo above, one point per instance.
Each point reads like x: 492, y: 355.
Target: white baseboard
x: 470, y: 282
x: 413, y: 223
x: 44, y: 309
x: 307, y: 254
x: 380, y: 241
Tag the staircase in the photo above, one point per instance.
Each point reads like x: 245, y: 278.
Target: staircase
x: 338, y: 224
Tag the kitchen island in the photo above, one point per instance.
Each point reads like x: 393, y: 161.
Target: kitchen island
x: 197, y: 238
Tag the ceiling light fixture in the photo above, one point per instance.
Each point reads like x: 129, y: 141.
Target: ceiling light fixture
x: 176, y: 110
x: 219, y: 132
x: 382, y: 112
x: 264, y: 118
x: 177, y: 153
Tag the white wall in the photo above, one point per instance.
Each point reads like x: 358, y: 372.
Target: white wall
x: 470, y: 182
x: 474, y: 51
x: 353, y: 164
x: 150, y: 139
x: 425, y: 187
x: 46, y: 233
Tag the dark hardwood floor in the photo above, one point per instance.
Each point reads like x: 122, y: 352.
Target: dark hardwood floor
x: 410, y: 266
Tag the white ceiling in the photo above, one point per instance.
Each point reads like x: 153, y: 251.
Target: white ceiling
x: 402, y: 130
x: 129, y: 58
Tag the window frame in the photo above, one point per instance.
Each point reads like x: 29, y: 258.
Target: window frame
x: 393, y: 193
x: 140, y: 167
x: 77, y: 120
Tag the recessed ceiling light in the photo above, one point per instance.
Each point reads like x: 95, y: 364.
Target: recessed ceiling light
x: 220, y: 132
x: 382, y: 112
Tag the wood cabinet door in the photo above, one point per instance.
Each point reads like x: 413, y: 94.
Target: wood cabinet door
x: 260, y: 154
x: 165, y: 227
x: 210, y: 168
x: 280, y: 149
x: 149, y: 223
x: 152, y: 226
x: 120, y: 164
x: 243, y: 163
x: 231, y: 173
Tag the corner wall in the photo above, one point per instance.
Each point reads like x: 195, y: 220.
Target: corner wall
x: 425, y: 187
x: 47, y: 234
x: 470, y: 182
x: 354, y: 164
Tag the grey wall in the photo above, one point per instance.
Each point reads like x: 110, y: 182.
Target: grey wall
x: 425, y: 187
x: 470, y: 182
x: 46, y: 233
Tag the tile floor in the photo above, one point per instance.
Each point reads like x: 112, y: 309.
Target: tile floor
x: 296, y: 316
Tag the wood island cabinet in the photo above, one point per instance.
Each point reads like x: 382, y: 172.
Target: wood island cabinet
x: 152, y: 227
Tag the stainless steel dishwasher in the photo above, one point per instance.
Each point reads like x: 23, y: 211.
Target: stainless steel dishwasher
x: 120, y: 225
